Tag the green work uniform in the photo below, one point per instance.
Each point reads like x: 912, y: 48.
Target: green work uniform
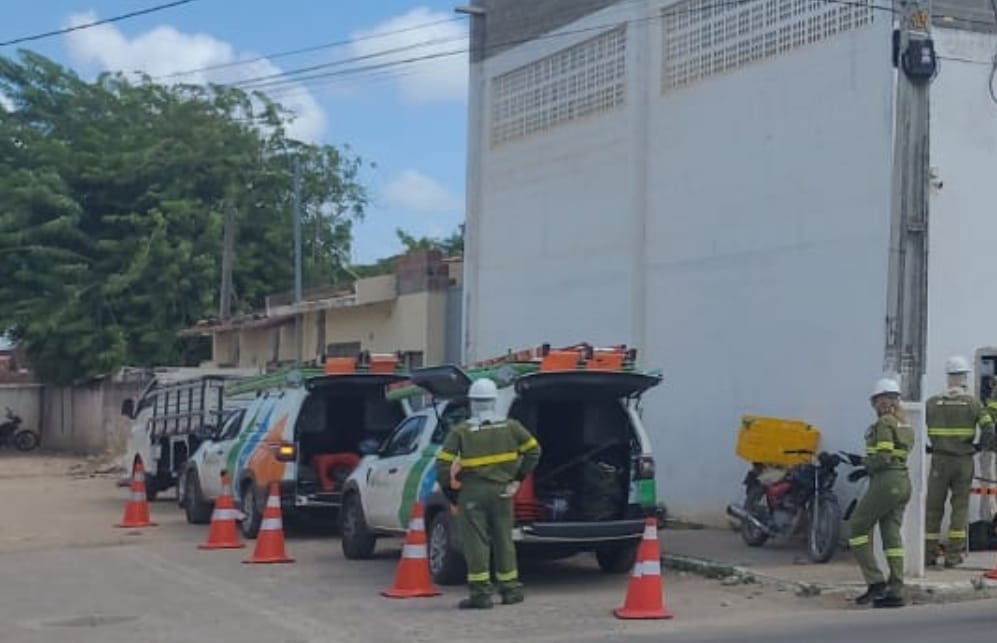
x: 952, y: 420
x: 888, y: 444
x: 491, y: 456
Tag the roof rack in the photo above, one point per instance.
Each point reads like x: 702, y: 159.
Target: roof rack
x: 581, y: 356
x: 294, y: 376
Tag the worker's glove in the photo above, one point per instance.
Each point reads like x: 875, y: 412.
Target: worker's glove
x: 510, y: 489
x: 857, y: 475
x: 854, y: 459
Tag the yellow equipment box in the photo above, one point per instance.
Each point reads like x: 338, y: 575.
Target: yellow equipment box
x: 765, y: 440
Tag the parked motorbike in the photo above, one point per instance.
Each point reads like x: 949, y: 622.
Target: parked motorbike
x: 11, y: 433
x: 782, y: 502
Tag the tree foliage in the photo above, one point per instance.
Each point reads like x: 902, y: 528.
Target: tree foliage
x: 112, y: 197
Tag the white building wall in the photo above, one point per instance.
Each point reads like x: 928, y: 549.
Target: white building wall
x: 736, y: 230
x: 962, y: 233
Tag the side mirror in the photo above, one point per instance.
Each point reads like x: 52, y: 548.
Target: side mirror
x: 368, y: 447
x: 128, y: 407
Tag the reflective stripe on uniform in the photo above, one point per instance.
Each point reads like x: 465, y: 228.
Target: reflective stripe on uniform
x: 485, y: 460
x: 952, y: 432
x: 894, y: 552
x: 957, y: 533
x: 858, y: 541
x: 446, y: 456
x: 932, y: 536
x: 505, y: 577
x: 885, y: 445
x: 482, y: 577
x: 528, y: 445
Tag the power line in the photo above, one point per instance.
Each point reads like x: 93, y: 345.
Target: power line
x: 305, y: 50
x: 124, y: 16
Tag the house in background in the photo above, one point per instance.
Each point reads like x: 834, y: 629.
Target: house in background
x: 713, y: 182
x: 415, y: 310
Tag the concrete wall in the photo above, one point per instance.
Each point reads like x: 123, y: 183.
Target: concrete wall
x: 963, y: 214
x: 735, y: 229
x: 86, y: 419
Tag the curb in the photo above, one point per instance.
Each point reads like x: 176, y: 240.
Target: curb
x: 918, y: 591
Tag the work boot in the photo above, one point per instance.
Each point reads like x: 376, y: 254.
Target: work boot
x: 953, y: 560
x: 476, y: 603
x: 889, y: 600
x: 512, y: 597
x: 875, y: 592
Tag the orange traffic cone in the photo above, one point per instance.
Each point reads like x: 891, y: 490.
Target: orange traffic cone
x: 412, y: 578
x: 644, y: 593
x: 137, y: 509
x: 270, y: 541
x: 223, y: 533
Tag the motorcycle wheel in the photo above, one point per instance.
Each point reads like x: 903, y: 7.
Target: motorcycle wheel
x: 25, y: 440
x: 824, y: 529
x: 754, y: 503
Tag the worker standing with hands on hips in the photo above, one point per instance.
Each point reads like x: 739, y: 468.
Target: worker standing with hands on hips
x: 952, y: 418
x: 888, y: 444
x: 479, y: 468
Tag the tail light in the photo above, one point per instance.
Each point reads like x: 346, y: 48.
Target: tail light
x: 645, y: 467
x: 286, y: 452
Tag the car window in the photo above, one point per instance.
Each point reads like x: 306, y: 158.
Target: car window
x: 404, y: 439
x: 454, y: 414
x: 231, y: 427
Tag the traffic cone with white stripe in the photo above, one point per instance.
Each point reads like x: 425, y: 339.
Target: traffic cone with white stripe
x: 223, y: 533
x: 412, y: 578
x: 137, y: 509
x: 270, y: 540
x: 644, y: 593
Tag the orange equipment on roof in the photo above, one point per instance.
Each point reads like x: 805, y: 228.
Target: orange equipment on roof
x: 582, y: 356
x: 364, y: 362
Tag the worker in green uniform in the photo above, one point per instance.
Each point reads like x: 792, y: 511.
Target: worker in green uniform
x: 888, y: 443
x: 952, y: 419
x: 489, y: 456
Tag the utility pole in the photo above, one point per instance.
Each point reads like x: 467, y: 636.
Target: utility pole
x: 228, y: 249
x: 906, y: 324
x: 298, y: 321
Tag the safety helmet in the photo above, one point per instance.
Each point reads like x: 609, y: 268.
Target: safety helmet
x: 885, y: 386
x: 956, y: 364
x: 483, y: 389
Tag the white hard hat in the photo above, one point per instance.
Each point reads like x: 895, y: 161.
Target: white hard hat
x: 483, y: 389
x: 885, y: 386
x: 956, y: 364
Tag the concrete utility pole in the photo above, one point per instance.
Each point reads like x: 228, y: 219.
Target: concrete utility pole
x: 906, y: 323
x: 298, y: 321
x: 228, y: 249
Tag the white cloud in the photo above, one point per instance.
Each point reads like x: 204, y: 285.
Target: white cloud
x: 412, y: 190
x: 164, y: 50
x: 6, y: 103
x: 442, y: 78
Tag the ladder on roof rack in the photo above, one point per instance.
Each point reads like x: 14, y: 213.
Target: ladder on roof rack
x: 581, y: 356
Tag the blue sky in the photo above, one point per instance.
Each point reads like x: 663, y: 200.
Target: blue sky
x: 409, y: 120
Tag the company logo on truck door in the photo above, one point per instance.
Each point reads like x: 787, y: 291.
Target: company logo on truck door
x: 250, y: 440
x: 419, y: 483
x: 263, y: 463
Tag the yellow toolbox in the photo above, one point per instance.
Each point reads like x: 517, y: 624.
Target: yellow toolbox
x: 765, y: 440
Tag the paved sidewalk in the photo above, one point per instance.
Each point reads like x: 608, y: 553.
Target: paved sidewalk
x: 722, y: 553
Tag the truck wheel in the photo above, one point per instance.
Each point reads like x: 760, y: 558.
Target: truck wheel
x: 197, y: 510
x: 446, y: 563
x: 357, y: 541
x: 151, y: 491
x: 619, y: 559
x: 250, y: 504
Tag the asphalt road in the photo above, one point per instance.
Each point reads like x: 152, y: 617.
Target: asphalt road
x: 972, y: 622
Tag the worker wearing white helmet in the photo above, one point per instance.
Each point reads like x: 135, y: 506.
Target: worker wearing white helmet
x: 952, y: 418
x: 479, y: 468
x: 888, y: 443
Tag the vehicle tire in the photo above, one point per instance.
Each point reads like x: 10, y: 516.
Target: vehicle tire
x: 754, y: 503
x: 446, y: 563
x: 151, y: 490
x: 198, y: 511
x: 618, y: 559
x: 357, y: 540
x: 25, y: 440
x: 824, y: 529
x: 249, y: 502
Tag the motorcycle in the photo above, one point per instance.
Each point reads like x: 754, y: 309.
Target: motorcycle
x: 781, y: 502
x: 11, y: 433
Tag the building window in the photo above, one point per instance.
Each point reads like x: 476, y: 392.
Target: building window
x: 703, y: 38
x: 584, y: 79
x: 412, y: 359
x: 342, y: 349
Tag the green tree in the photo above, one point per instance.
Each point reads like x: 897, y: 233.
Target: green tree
x: 112, y: 196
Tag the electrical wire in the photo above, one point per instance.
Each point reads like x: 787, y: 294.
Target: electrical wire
x: 118, y: 18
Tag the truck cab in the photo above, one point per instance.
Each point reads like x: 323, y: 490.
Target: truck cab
x: 592, y: 490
